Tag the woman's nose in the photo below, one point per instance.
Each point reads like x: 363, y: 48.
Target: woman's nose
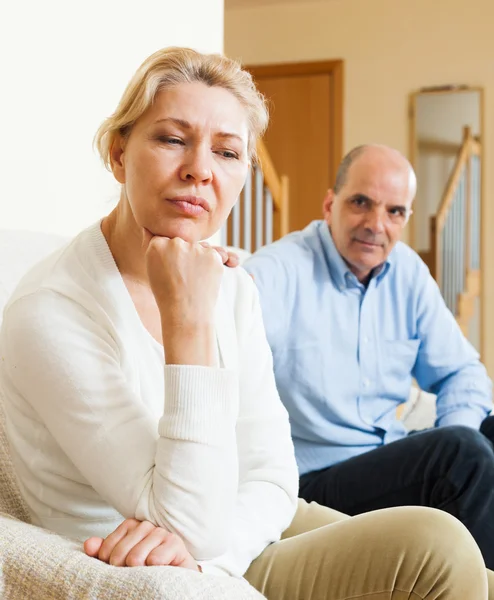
x: 197, y: 166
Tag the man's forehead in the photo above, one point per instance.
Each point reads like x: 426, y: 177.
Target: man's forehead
x: 379, y: 184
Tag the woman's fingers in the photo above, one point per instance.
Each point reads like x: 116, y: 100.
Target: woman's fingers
x: 138, y: 555
x: 163, y: 555
x: 137, y: 544
x: 172, y: 552
x: 111, y: 541
x: 116, y: 546
x: 92, y: 546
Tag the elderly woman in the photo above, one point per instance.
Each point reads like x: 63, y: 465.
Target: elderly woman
x: 139, y: 382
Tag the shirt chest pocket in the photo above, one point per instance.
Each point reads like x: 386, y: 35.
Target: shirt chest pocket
x: 399, y: 358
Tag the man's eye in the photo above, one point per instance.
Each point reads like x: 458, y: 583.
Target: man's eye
x: 359, y: 201
x: 400, y: 212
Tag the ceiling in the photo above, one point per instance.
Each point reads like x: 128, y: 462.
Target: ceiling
x: 252, y: 3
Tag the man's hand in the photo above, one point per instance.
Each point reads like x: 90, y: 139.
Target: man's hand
x: 230, y: 259
x: 138, y: 544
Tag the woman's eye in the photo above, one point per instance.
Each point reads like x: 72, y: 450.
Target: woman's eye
x: 166, y: 139
x: 227, y: 154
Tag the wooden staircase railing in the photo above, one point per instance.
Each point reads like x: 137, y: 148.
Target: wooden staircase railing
x: 454, y: 255
x: 261, y: 213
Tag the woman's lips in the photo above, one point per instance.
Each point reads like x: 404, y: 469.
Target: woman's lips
x: 190, y: 205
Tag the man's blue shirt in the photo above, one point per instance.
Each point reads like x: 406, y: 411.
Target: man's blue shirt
x: 345, y: 354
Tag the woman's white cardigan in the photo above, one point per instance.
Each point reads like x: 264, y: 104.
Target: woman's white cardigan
x: 101, y: 428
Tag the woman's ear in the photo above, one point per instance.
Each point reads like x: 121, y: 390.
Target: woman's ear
x: 117, y: 158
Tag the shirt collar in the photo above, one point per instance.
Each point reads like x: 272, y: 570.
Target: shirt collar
x: 338, y: 269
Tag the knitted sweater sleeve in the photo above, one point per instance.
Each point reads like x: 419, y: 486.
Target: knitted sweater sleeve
x: 180, y: 473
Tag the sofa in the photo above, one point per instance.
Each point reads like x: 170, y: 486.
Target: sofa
x: 36, y: 564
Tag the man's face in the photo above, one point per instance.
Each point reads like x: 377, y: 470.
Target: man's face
x: 369, y: 212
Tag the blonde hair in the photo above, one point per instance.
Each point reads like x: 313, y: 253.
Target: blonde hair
x: 170, y: 67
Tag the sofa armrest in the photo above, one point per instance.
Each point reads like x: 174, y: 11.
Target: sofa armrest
x: 35, y: 563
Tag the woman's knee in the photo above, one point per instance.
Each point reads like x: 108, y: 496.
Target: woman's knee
x: 433, y: 526
x: 438, y: 553
x: 438, y: 534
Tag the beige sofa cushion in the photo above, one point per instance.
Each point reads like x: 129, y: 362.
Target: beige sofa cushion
x: 38, y: 565
x: 11, y: 501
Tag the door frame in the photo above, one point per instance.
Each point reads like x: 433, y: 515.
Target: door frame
x: 335, y: 68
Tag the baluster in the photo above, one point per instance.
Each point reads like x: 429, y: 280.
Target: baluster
x: 248, y: 213
x: 465, y: 234
x: 444, y: 261
x: 476, y: 210
x: 236, y: 222
x: 259, y: 199
x: 269, y: 215
x: 451, y: 258
x: 455, y: 245
x: 459, y: 246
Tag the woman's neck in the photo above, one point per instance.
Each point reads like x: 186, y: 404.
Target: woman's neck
x: 124, y: 238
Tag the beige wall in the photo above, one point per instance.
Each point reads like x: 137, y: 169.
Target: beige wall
x: 390, y: 48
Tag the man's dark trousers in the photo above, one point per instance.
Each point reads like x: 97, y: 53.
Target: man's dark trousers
x: 450, y: 468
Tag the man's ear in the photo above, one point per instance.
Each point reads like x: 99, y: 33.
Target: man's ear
x: 327, y: 205
x: 117, y: 158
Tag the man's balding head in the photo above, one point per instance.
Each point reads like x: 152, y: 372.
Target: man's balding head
x: 384, y: 152
x: 369, y: 205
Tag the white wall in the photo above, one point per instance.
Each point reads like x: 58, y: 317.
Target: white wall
x: 64, y: 66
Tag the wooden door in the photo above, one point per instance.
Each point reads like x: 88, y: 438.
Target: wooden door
x: 304, y: 138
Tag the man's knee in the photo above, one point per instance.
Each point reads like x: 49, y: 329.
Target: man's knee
x: 487, y: 428
x: 467, y: 442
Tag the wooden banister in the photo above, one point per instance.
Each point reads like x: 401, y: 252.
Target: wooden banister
x: 284, y: 210
x: 271, y: 177
x: 278, y: 186
x: 475, y: 147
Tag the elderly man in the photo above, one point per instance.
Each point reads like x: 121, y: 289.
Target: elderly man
x: 352, y: 314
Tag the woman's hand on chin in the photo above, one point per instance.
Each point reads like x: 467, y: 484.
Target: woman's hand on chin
x: 185, y: 279
x: 138, y: 544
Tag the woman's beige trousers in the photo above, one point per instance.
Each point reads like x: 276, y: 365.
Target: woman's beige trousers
x: 406, y: 553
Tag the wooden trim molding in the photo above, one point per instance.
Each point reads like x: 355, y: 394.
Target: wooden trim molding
x: 335, y: 68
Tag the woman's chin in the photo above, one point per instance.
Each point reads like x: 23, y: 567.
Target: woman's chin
x: 187, y: 230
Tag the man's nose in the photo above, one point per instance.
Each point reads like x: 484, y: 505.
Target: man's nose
x: 375, y: 221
